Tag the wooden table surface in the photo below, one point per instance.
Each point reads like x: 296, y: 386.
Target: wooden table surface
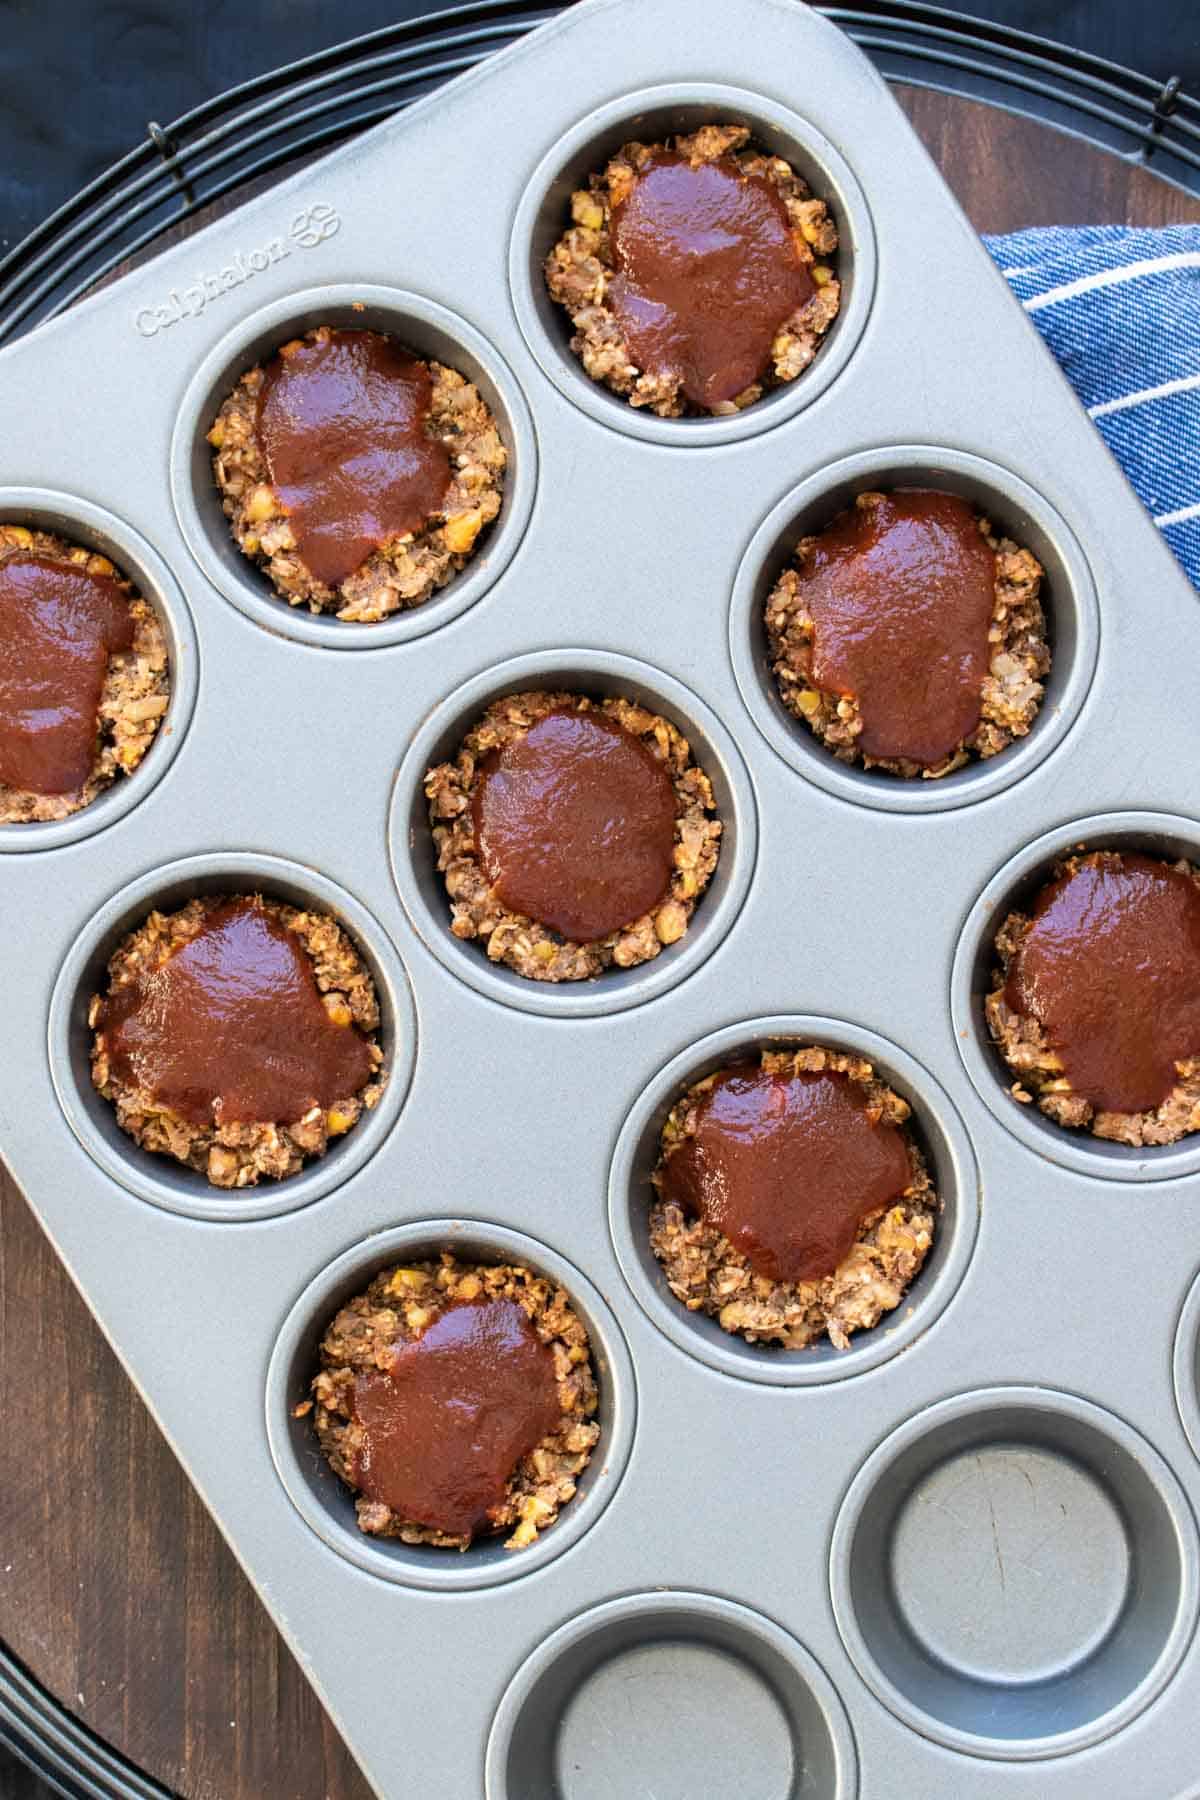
x: 116, y: 1590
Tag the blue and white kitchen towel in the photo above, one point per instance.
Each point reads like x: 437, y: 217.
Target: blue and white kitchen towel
x: 1120, y: 309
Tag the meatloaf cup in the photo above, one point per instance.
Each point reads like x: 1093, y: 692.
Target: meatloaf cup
x: 620, y: 839
x: 791, y: 1199
x: 359, y: 478
x: 457, y: 1401
x: 1095, y: 1001
x: 238, y: 1036
x: 645, y: 275
x: 892, y: 670
x: 84, y: 675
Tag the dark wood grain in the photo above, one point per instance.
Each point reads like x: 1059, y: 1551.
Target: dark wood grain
x: 115, y: 1588
x: 1010, y: 172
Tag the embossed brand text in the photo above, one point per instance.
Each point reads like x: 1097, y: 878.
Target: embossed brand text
x: 310, y: 227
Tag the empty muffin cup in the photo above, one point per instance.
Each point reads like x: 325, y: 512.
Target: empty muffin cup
x: 691, y: 1690
x: 1014, y: 1573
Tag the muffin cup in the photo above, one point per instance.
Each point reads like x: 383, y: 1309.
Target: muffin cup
x: 326, y: 1503
x: 158, y: 1178
x: 650, y: 116
x: 935, y: 1125
x: 82, y: 523
x: 1016, y: 510
x: 421, y: 325
x: 1154, y: 834
x: 597, y: 673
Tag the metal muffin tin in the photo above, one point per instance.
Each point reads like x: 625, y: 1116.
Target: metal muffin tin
x: 960, y: 1557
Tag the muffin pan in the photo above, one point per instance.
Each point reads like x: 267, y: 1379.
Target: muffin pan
x: 960, y: 1556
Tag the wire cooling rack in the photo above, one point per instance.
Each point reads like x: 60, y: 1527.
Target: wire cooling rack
x: 243, y: 138
x: 251, y: 132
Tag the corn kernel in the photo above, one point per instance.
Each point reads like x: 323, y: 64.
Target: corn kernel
x: 808, y: 701
x: 810, y: 231
x: 586, y: 210
x: 544, y: 952
x: 336, y: 1122
x: 460, y: 532
x: 216, y: 436
x: 335, y: 1006
x: 821, y: 273
x: 406, y: 1281
x: 261, y: 504
x: 19, y: 535
x: 670, y: 922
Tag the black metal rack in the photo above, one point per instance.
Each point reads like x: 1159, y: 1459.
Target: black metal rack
x: 243, y: 138
x: 70, y: 1759
x: 248, y: 134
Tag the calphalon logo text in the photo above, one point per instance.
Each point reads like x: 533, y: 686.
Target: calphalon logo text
x: 310, y: 227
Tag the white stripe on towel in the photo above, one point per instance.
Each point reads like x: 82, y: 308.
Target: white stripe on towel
x: 1180, y: 515
x: 1150, y: 265
x: 1180, y: 385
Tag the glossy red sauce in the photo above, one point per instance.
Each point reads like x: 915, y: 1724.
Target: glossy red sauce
x: 787, y: 1167
x: 575, y: 825
x: 446, y: 1426
x: 901, y: 596
x: 232, y: 1029
x: 342, y: 424
x: 58, y: 628
x: 707, y: 272
x: 1110, y: 969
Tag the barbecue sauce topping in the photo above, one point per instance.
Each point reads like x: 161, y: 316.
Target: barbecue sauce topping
x: 58, y: 628
x: 787, y: 1167
x: 575, y: 825
x: 901, y: 595
x: 707, y: 273
x: 1110, y: 969
x: 445, y: 1427
x: 341, y: 422
x: 231, y: 1029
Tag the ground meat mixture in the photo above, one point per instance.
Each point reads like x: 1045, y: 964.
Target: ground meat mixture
x: 134, y: 697
x: 396, y: 1309
x: 523, y: 944
x: 403, y: 572
x: 581, y: 267
x: 1041, y: 1077
x: 708, y: 1274
x: 1019, y: 660
x: 239, y: 1154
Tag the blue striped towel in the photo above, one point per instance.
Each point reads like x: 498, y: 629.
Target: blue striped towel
x: 1120, y: 308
